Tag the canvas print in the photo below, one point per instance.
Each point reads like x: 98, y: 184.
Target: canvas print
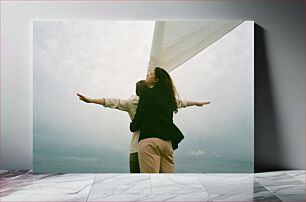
x: 143, y: 96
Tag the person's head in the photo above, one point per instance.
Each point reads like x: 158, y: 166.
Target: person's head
x: 161, y: 80
x: 140, y: 87
x: 150, y: 80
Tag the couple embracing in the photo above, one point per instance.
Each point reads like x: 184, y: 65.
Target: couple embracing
x: 155, y: 136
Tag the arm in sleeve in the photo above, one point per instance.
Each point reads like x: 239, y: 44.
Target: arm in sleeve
x: 140, y: 112
x: 181, y: 103
x: 119, y: 104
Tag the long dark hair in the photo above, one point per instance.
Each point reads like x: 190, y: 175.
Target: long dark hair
x: 165, y: 84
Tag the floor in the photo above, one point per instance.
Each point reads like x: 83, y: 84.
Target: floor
x: 269, y: 186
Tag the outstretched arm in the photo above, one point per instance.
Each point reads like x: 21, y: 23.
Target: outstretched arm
x: 187, y: 103
x: 199, y: 104
x: 100, y: 101
x: 114, y: 103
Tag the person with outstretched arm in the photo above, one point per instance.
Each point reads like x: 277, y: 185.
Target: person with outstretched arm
x: 130, y: 105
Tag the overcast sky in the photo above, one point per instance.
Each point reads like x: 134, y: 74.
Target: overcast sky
x: 105, y: 59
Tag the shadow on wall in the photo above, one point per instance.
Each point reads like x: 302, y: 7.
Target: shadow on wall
x: 268, y: 153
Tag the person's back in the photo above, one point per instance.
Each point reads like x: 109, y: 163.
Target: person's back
x: 157, y: 120
x: 158, y: 134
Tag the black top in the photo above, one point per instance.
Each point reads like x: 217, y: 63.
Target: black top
x: 154, y: 118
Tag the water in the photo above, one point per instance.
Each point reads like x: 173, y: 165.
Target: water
x: 69, y: 158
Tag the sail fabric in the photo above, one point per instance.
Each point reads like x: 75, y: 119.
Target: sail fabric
x: 176, y: 42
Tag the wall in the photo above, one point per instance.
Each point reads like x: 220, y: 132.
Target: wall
x: 279, y: 67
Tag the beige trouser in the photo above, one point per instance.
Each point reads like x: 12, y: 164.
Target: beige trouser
x: 155, y: 156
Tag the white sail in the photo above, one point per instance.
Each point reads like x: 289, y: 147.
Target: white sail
x: 176, y: 42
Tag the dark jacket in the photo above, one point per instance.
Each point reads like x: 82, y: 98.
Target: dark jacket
x: 154, y: 118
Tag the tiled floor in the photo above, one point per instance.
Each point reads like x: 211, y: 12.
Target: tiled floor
x: 271, y: 186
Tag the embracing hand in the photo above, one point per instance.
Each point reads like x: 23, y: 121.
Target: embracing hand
x: 84, y: 98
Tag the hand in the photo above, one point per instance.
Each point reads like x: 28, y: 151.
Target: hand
x: 83, y: 98
x: 200, y: 104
